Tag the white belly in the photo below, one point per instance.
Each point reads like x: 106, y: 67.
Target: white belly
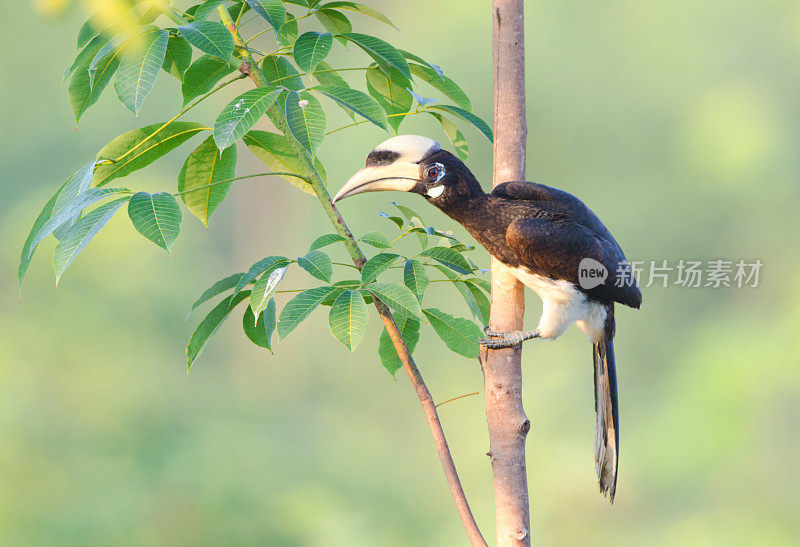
x: 562, y: 305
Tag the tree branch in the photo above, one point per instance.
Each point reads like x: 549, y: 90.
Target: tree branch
x: 424, y: 395
x: 502, y: 369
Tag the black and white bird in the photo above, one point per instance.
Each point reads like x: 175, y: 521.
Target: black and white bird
x: 547, y: 239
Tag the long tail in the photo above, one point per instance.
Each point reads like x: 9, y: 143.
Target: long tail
x: 606, y: 441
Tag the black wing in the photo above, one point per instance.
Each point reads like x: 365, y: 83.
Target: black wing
x: 555, y: 201
x: 556, y: 247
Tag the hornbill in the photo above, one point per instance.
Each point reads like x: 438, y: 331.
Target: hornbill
x: 546, y: 238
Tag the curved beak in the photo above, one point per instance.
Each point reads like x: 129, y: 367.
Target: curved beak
x: 399, y: 176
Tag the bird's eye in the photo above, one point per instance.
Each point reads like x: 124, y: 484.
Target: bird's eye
x: 434, y: 172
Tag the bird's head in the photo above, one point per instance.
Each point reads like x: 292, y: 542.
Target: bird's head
x: 410, y: 163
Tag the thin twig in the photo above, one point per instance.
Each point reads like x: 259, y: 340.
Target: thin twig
x: 457, y: 398
x: 365, y: 121
x: 423, y: 394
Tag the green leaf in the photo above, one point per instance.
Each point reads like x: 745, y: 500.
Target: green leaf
x: 484, y: 307
x: 415, y: 277
x: 89, y: 30
x: 65, y: 212
x: 157, y: 217
x: 202, y: 76
x: 265, y: 288
x: 377, y: 240
x: 216, y: 289
x: 386, y: 55
x: 409, y: 330
x: 325, y: 240
x: 482, y: 283
x: 209, y: 325
x: 449, y: 257
x: 311, y: 48
x: 76, y: 181
x: 326, y: 75
x: 459, y: 335
x: 210, y: 37
x: 358, y: 8
x: 399, y: 222
x: 398, y: 297
x: 269, y: 263
x: 139, y: 69
x: 391, y: 93
x: 84, y: 57
x: 279, y: 71
x: 300, y: 307
x: 116, y: 44
x: 260, y: 332
x: 241, y: 114
x: 167, y: 139
x: 275, y: 152
x: 306, y: 120
x: 271, y: 10
x: 416, y: 221
x: 337, y: 289
x: 482, y: 126
x: 409, y: 213
x: 237, y: 8
x: 289, y: 31
x: 206, y: 8
x: 318, y: 264
x: 334, y: 22
x: 443, y: 84
x: 348, y: 319
x: 75, y: 185
x: 178, y: 56
x: 417, y: 59
x: 377, y: 265
x: 205, y: 169
x: 360, y: 103
x: 81, y: 233
x: 454, y: 134
x: 85, y: 90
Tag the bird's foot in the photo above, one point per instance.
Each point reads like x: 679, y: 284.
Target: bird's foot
x: 498, y: 339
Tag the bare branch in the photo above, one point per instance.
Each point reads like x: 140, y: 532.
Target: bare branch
x: 505, y: 416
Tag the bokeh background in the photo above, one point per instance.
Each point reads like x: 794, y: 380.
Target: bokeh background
x: 677, y: 122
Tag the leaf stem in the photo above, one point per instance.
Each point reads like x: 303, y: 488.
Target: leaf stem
x: 457, y: 398
x: 271, y: 173
x: 344, y: 264
x: 365, y: 121
x: 310, y: 13
x: 170, y: 12
x: 239, y: 18
x: 183, y: 111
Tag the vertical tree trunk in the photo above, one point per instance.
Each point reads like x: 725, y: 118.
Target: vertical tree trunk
x: 508, y: 424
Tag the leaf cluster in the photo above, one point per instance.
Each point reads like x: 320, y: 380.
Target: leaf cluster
x: 399, y: 280
x: 293, y: 41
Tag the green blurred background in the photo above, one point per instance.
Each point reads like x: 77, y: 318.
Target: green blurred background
x: 677, y: 122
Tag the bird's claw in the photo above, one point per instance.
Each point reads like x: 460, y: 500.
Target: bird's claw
x: 506, y: 339
x: 494, y: 333
x: 497, y: 344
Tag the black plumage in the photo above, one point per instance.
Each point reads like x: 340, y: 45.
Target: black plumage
x: 545, y: 229
x: 542, y: 235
